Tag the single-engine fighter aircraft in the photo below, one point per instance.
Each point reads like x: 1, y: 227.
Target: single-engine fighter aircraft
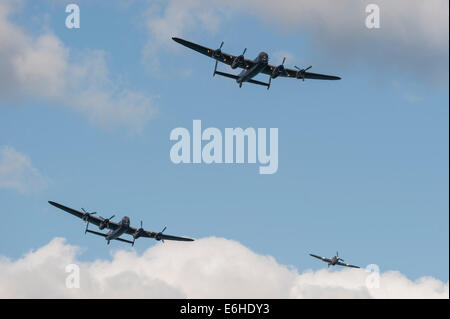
x: 116, y: 229
x: 253, y: 67
x: 334, y: 261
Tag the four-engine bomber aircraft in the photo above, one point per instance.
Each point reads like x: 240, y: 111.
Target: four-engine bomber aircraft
x: 116, y: 229
x: 253, y: 67
x: 334, y: 261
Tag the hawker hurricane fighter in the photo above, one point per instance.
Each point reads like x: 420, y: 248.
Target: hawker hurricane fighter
x: 251, y: 68
x: 116, y: 229
x: 334, y: 261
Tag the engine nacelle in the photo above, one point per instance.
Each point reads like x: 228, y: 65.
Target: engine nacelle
x: 277, y: 71
x: 237, y: 62
x: 300, y: 74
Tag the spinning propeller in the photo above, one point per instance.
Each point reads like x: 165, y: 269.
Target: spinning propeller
x: 86, y: 218
x: 138, y: 233
x: 337, y: 255
x: 105, y: 222
x: 301, y: 72
x: 158, y: 235
x: 217, y: 54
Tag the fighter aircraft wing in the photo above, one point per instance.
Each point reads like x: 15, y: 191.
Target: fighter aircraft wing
x: 219, y: 56
x: 347, y: 265
x: 92, y: 219
x: 291, y: 73
x: 321, y: 258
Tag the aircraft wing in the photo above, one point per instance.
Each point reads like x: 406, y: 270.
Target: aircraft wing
x: 291, y: 73
x: 224, y: 57
x: 347, y: 265
x: 321, y: 258
x: 161, y: 236
x: 92, y: 219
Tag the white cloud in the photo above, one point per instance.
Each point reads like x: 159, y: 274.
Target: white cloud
x: 43, y: 67
x: 207, y: 268
x: 413, y: 37
x: 17, y: 172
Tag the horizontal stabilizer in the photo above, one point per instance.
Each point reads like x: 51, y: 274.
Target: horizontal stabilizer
x: 96, y: 233
x: 232, y: 76
x: 228, y: 75
x: 104, y: 235
x: 258, y: 82
x: 124, y: 240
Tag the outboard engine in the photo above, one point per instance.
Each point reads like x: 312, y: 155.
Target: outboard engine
x: 301, y: 72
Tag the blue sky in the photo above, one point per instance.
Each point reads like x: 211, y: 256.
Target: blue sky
x: 363, y: 162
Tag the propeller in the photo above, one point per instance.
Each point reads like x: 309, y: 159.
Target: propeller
x: 106, y: 220
x: 217, y: 54
x: 87, y: 213
x: 301, y: 72
x: 137, y: 234
x: 278, y: 70
x: 281, y: 66
x: 158, y: 235
x: 86, y: 218
x: 245, y: 50
x: 337, y: 255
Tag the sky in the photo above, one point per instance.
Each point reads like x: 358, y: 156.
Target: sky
x: 86, y: 115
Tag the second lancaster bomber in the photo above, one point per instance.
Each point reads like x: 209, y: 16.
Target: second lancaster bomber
x: 117, y: 229
x: 253, y: 67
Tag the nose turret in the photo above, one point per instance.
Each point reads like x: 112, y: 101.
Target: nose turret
x: 125, y: 220
x: 264, y: 57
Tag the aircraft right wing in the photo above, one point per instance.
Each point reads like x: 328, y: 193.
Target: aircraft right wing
x: 291, y: 73
x: 347, y: 265
x: 321, y: 258
x: 92, y: 219
x: 157, y: 236
x: 222, y: 57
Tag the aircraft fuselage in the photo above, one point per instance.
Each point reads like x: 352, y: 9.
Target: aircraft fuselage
x: 261, y: 62
x: 334, y: 261
x: 123, y: 226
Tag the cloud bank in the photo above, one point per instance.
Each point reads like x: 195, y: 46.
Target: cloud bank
x: 412, y: 38
x: 207, y: 268
x: 17, y: 172
x: 43, y: 67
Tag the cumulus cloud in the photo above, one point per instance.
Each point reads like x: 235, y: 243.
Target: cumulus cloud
x: 207, y: 268
x: 43, y: 67
x: 412, y: 38
x: 17, y: 172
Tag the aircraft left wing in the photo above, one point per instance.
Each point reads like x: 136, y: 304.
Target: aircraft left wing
x: 92, y: 219
x: 291, y: 73
x: 321, y: 258
x: 157, y: 236
x: 347, y: 265
x: 222, y: 57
